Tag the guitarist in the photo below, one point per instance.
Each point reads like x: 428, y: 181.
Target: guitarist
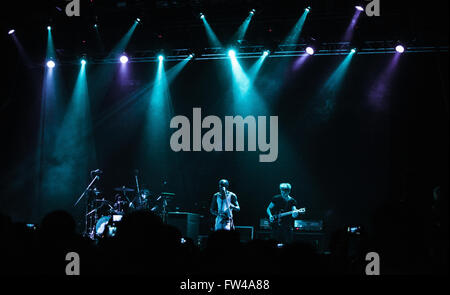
x: 223, y: 204
x: 282, y: 230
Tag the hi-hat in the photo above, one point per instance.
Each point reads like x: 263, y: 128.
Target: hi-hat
x: 124, y: 189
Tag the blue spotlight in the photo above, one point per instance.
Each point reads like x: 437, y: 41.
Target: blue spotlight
x: 95, y: 25
x: 353, y: 50
x: 308, y: 9
x: 83, y: 62
x: 160, y: 57
x: 10, y: 32
x: 123, y: 59
x: 202, y: 16
x: 138, y: 19
x: 310, y: 50
x: 400, y: 48
x: 49, y: 28
x: 50, y: 64
x: 266, y: 53
x: 231, y: 53
x: 360, y: 8
x: 252, y: 11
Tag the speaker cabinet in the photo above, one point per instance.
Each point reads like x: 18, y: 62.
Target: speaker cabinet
x: 187, y: 223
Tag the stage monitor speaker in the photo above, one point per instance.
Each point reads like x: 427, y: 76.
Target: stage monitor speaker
x: 245, y: 233
x: 187, y: 223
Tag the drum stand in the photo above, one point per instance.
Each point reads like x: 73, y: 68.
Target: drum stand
x: 91, y: 221
x: 164, y: 209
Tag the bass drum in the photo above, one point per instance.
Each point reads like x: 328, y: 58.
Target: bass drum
x: 101, y: 226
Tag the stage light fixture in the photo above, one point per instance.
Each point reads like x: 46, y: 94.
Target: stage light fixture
x: 83, y: 62
x: 266, y: 52
x: 138, y: 20
x: 359, y: 7
x: 252, y: 11
x: 10, y: 32
x: 95, y: 25
x: 51, y: 64
x: 308, y: 9
x: 400, y: 48
x: 353, y: 50
x: 123, y: 59
x: 231, y: 53
x: 310, y: 50
x: 202, y: 16
x: 49, y: 28
x: 160, y: 57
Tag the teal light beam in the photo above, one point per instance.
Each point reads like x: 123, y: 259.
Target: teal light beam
x: 240, y: 34
x: 73, y: 150
x: 256, y: 67
x: 99, y: 40
x: 50, y: 117
x: 213, y: 40
x: 176, y: 70
x: 246, y: 99
x: 328, y: 94
x: 104, y: 74
x: 123, y: 42
x: 241, y: 80
x: 293, y: 36
x: 50, y: 52
x: 157, y: 127
x: 134, y: 100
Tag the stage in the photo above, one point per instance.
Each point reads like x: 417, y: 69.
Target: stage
x: 139, y: 123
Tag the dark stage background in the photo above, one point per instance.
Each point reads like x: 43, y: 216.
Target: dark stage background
x: 351, y: 167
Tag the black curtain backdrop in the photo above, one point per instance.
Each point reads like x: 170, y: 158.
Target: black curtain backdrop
x: 344, y: 169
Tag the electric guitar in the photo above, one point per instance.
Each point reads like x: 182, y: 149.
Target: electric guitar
x: 277, y: 217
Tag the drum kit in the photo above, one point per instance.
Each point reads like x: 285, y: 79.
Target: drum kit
x: 103, y: 213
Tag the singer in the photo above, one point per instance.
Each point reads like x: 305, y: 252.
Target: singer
x: 223, y: 204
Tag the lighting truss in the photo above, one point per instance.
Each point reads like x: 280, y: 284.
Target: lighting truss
x: 255, y: 51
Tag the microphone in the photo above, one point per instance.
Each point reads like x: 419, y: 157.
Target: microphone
x: 97, y: 171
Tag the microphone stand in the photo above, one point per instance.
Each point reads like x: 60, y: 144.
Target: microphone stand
x: 79, y: 199
x: 88, y: 187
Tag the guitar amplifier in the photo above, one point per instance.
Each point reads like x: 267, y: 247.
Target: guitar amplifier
x: 308, y: 225
x: 187, y: 223
x: 264, y: 223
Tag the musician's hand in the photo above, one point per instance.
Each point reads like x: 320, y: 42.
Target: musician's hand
x: 295, y: 214
x: 271, y: 218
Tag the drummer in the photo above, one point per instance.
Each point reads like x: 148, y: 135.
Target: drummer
x: 141, y: 201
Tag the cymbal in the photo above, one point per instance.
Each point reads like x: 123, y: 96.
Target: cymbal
x: 167, y: 194
x: 124, y: 189
x: 101, y: 201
